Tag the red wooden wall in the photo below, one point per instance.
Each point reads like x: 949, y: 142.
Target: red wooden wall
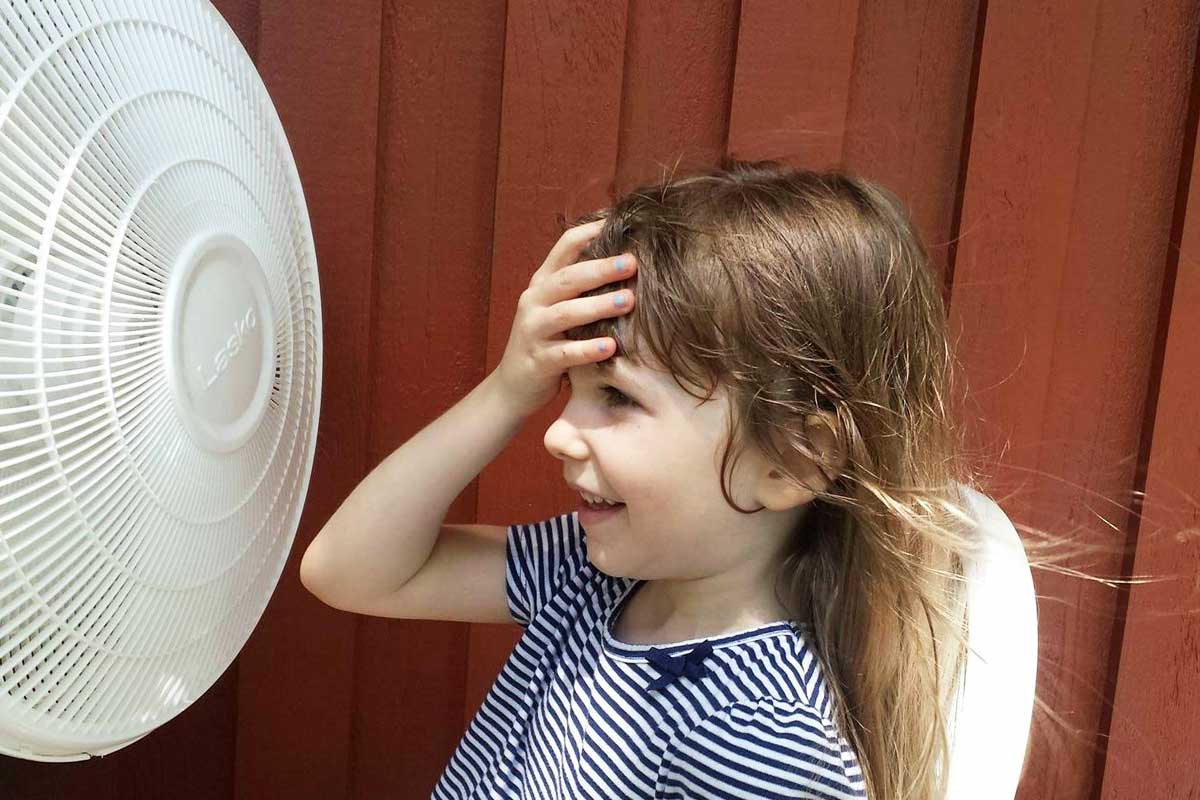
x: 1046, y: 151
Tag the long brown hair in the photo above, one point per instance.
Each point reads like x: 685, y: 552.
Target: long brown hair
x: 803, y: 293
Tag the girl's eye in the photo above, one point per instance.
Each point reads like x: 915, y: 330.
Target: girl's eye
x: 615, y: 397
x: 612, y: 395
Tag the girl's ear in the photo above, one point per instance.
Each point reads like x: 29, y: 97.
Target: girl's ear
x: 821, y: 429
x: 778, y: 492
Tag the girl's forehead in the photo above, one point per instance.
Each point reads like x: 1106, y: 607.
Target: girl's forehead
x: 621, y: 368
x: 606, y: 370
x: 650, y: 379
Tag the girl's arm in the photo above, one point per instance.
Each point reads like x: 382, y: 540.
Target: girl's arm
x: 385, y: 551
x: 381, y: 552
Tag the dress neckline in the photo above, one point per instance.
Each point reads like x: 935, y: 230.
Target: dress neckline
x: 640, y: 652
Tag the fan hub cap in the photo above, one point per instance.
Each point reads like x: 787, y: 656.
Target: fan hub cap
x: 220, y: 353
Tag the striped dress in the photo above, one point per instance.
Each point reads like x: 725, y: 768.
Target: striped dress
x: 575, y: 713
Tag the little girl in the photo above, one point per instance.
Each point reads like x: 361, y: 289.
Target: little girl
x: 760, y: 593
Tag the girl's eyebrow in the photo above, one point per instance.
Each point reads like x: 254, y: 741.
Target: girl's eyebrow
x: 612, y: 369
x: 622, y: 372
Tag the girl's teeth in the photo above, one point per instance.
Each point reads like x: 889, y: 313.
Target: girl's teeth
x: 600, y: 503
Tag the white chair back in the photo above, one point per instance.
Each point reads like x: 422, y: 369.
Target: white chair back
x: 990, y: 718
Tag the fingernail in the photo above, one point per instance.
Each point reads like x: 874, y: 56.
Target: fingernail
x: 619, y: 300
x: 621, y: 263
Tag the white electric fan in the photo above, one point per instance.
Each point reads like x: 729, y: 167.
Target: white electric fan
x: 160, y: 365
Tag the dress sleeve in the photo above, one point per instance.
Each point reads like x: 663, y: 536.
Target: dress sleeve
x: 761, y: 750
x: 540, y: 557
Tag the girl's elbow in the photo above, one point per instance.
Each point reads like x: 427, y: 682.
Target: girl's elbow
x: 310, y: 569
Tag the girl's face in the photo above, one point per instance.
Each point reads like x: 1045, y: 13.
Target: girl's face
x: 635, y: 436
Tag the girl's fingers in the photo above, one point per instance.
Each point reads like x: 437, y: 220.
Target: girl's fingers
x: 577, y: 312
x: 567, y: 249
x: 575, y: 279
x: 599, y: 349
x: 560, y: 356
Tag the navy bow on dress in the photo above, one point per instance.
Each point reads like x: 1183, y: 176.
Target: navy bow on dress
x: 674, y: 667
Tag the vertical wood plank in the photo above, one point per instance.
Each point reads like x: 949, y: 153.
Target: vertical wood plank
x: 910, y: 93
x: 676, y: 88
x: 893, y: 107
x: 775, y: 115
x: 437, y: 179
x: 1063, y: 243
x: 1153, y: 735
x: 320, y: 63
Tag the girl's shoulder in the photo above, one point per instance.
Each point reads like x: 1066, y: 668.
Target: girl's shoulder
x: 781, y: 662
x: 787, y: 743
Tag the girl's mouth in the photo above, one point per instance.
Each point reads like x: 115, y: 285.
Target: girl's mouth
x: 591, y: 514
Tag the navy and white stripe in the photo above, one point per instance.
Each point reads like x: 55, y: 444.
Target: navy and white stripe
x: 571, y: 714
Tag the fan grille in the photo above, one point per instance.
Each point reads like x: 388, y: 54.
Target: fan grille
x: 140, y: 540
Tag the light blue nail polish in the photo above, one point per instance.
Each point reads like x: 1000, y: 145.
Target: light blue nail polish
x: 619, y: 300
x: 620, y: 264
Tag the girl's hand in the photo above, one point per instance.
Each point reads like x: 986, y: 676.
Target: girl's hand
x: 531, y: 370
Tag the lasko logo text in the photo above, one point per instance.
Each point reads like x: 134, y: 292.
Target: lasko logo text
x: 233, y: 345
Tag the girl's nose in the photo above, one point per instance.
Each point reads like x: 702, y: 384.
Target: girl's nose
x: 562, y: 441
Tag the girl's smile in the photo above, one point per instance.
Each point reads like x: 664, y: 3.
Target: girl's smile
x: 591, y: 516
